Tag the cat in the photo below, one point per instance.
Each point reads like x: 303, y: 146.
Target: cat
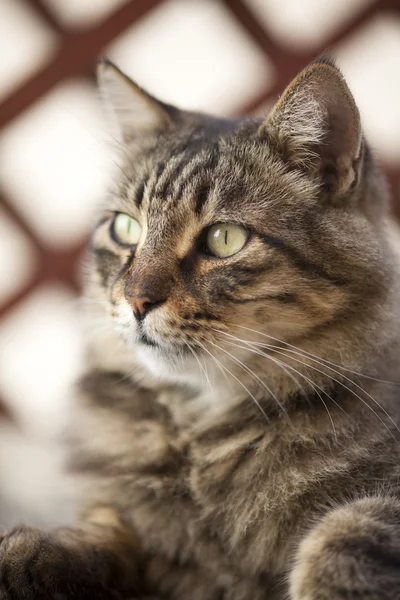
x: 237, y: 429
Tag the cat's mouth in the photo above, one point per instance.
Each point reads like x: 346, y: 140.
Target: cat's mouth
x: 162, y: 343
x: 165, y: 347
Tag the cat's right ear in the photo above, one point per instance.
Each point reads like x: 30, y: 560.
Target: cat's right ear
x: 132, y: 112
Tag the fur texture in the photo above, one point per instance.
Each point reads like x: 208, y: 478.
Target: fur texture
x: 239, y: 438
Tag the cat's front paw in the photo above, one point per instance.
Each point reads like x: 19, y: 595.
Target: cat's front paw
x: 36, y: 566
x: 353, y: 554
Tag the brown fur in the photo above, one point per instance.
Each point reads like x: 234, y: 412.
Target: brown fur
x: 279, y: 476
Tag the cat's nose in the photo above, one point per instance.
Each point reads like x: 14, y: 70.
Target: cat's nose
x: 142, y: 305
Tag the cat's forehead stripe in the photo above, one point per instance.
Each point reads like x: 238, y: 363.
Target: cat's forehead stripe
x: 171, y: 181
x: 166, y: 183
x: 139, y: 194
x: 193, y: 169
x: 202, y: 197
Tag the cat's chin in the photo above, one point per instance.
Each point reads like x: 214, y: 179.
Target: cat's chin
x: 170, y: 365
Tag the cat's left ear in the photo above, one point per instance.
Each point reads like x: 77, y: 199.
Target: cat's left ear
x: 316, y: 126
x: 133, y: 113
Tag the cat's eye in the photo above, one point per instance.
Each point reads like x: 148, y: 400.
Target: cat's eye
x: 226, y: 239
x: 126, y: 230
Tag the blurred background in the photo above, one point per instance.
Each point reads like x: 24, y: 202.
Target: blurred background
x: 223, y: 56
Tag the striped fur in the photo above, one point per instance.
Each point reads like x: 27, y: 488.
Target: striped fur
x: 241, y: 440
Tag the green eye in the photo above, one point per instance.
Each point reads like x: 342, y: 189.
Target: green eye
x: 126, y: 230
x: 226, y: 239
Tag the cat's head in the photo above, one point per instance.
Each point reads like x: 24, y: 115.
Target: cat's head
x: 220, y: 228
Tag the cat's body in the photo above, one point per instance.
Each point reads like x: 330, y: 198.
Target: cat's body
x: 242, y: 441
x: 221, y: 506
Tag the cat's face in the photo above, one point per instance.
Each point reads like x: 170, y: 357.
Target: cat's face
x: 220, y: 229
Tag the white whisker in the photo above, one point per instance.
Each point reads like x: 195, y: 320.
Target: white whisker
x: 219, y: 365
x: 223, y: 367
x: 351, y: 391
x: 285, y: 367
x: 310, y: 354
x: 279, y: 350
x: 202, y: 368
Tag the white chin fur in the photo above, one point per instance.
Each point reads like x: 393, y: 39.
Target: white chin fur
x: 163, y: 364
x: 169, y: 367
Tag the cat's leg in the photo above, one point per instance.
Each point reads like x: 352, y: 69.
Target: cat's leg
x: 353, y: 553
x: 94, y: 560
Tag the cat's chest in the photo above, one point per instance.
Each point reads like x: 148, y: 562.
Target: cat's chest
x: 198, y: 499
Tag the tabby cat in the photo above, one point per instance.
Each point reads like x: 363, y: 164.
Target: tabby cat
x: 237, y: 431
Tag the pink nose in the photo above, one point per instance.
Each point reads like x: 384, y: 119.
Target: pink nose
x: 141, y: 306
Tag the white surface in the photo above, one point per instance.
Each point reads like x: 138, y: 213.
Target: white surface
x: 193, y: 53
x: 17, y: 258
x: 304, y: 24
x: 33, y: 487
x: 40, y: 357
x: 53, y: 163
x: 82, y: 13
x: 25, y: 43
x: 370, y: 61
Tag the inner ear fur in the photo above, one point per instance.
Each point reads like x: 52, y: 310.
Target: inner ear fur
x: 315, y: 125
x: 132, y: 112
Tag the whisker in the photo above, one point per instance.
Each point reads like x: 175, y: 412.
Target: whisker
x: 262, y: 353
x: 213, y: 357
x: 279, y: 350
x: 285, y: 368
x: 124, y: 173
x: 352, y: 392
x: 202, y: 368
x: 205, y: 367
x: 246, y: 368
x: 320, y: 358
x: 223, y: 367
x: 129, y: 154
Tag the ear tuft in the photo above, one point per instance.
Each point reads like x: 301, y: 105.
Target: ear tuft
x: 132, y: 111
x: 315, y: 125
x: 325, y: 59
